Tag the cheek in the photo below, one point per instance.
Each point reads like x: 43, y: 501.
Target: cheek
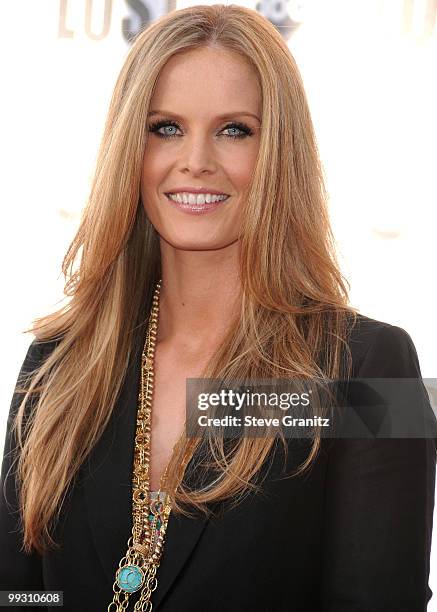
x: 240, y: 166
x: 240, y: 174
x: 153, y: 170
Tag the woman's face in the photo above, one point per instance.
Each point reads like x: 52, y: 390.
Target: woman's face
x: 204, y: 130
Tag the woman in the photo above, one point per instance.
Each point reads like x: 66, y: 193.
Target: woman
x: 175, y: 285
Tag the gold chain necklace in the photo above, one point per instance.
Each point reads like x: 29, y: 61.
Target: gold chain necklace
x: 137, y: 569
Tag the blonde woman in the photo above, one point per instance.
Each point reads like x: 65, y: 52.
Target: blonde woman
x: 205, y: 250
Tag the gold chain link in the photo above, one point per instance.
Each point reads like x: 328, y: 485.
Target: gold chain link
x: 137, y: 569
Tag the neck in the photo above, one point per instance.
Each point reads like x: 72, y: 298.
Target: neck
x: 200, y: 295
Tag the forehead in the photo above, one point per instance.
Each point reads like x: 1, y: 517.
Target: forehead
x: 209, y: 78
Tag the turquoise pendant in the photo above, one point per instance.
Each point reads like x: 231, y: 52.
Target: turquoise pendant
x: 130, y: 578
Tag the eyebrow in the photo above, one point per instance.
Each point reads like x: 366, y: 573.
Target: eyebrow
x: 224, y: 116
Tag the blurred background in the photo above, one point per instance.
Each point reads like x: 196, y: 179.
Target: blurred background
x: 367, y: 66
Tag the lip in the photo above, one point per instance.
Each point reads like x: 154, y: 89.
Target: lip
x: 196, y: 190
x: 196, y: 209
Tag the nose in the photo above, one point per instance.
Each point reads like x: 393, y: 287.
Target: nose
x: 197, y: 155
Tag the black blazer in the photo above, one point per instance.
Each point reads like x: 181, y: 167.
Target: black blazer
x: 352, y: 535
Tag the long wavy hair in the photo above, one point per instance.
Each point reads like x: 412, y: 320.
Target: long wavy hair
x: 295, y: 313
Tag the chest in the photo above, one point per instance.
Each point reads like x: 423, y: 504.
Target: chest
x: 168, y: 411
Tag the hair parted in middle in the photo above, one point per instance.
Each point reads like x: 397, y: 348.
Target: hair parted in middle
x: 294, y: 317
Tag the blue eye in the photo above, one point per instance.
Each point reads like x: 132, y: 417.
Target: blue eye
x: 154, y: 127
x: 243, y: 129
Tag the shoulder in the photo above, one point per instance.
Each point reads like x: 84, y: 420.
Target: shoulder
x: 379, y: 349
x: 37, y: 353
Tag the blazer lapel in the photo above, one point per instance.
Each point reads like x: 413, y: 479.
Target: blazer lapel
x: 181, y: 538
x: 107, y: 488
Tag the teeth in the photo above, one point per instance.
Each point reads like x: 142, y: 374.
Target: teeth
x: 196, y: 198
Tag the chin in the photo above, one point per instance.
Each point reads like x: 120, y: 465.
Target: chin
x: 185, y: 243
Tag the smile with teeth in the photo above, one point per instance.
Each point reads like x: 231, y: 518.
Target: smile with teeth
x: 196, y: 198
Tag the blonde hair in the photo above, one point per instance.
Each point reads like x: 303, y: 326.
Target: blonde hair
x: 294, y: 307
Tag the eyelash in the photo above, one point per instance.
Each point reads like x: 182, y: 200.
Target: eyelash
x: 154, y: 127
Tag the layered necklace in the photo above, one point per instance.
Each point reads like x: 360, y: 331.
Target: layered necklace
x: 137, y: 569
